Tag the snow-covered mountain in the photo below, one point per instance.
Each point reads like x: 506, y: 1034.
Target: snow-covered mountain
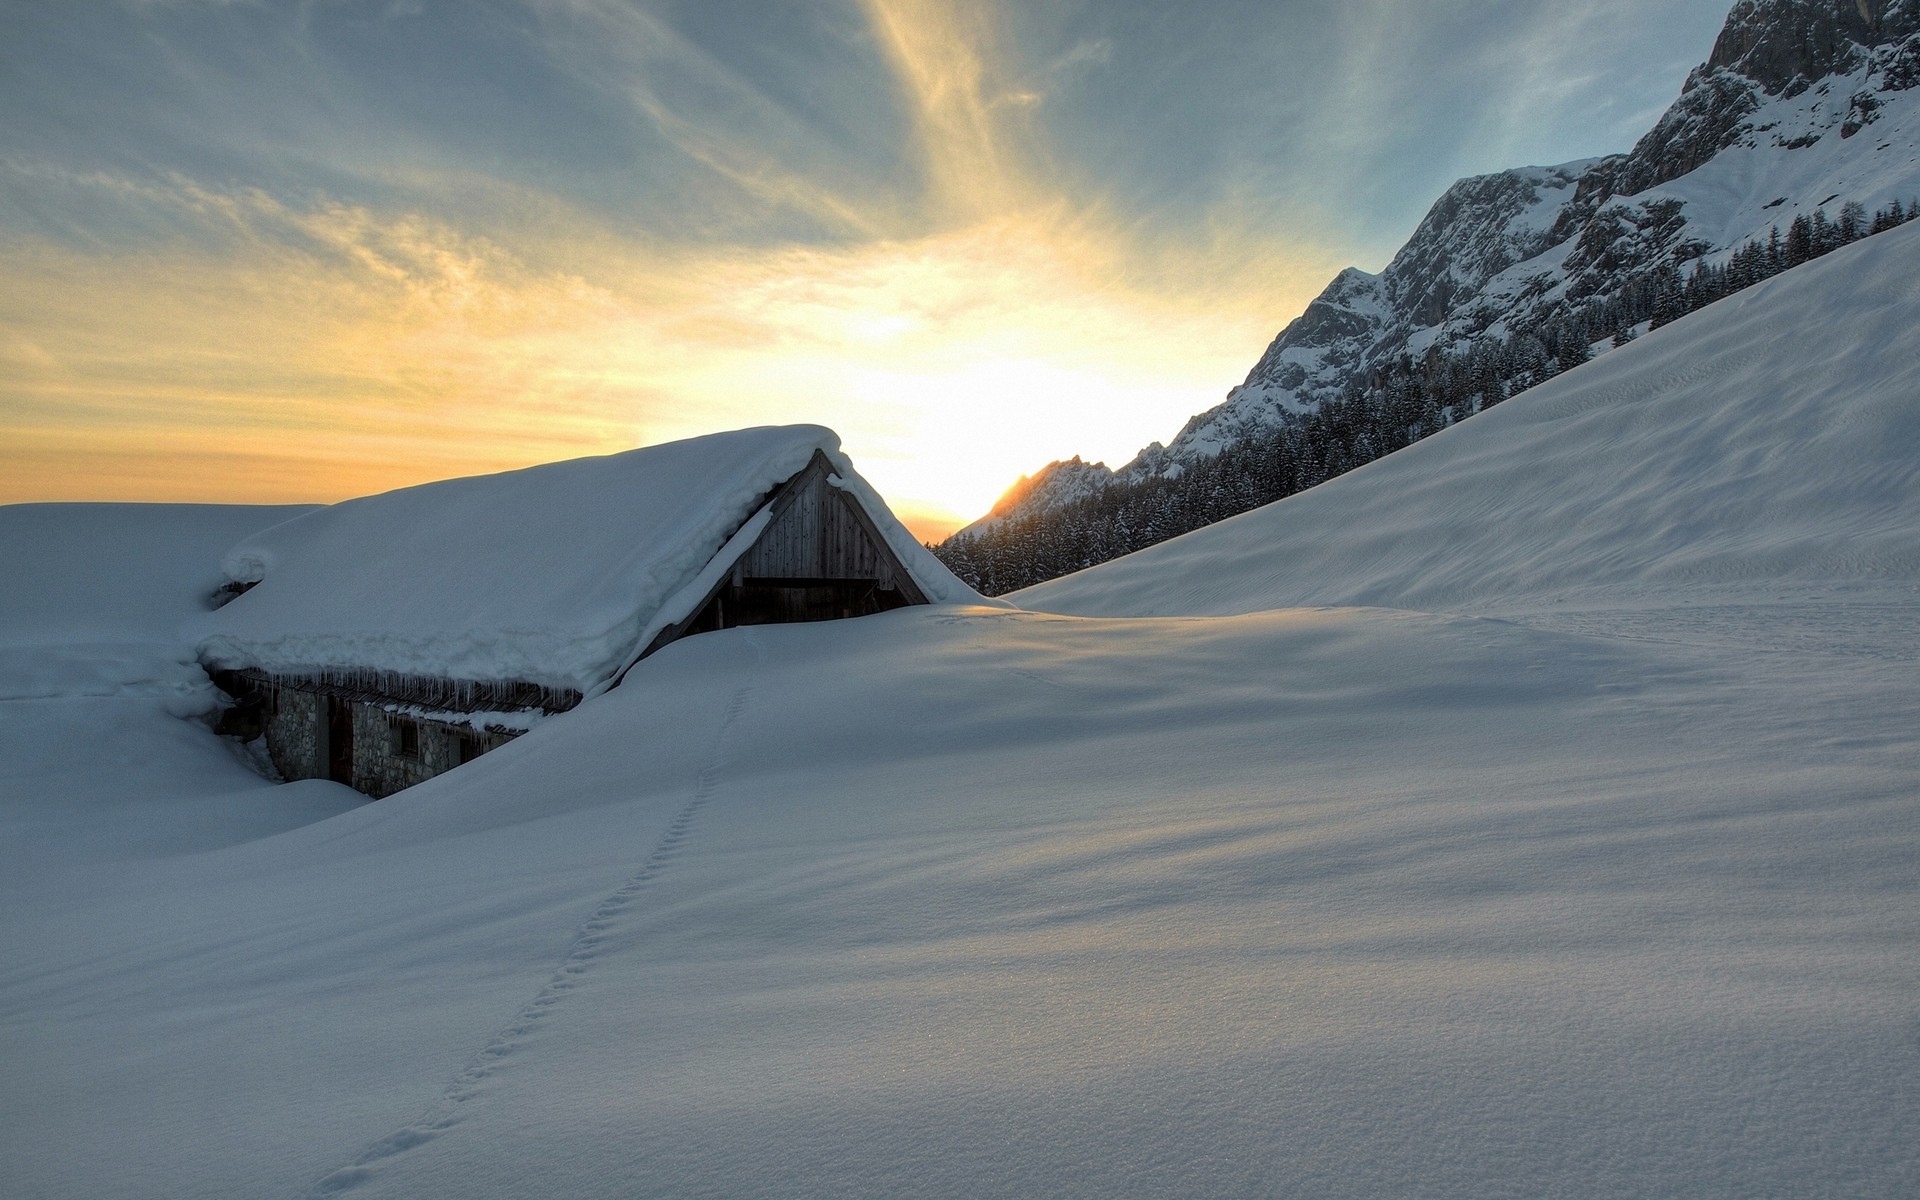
x: 1803, y: 106
x: 1053, y: 485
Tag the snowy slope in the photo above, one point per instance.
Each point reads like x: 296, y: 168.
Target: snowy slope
x: 94, y: 595
x: 117, y: 572
x: 95, y: 674
x: 557, y: 574
x: 1342, y: 903
x: 1769, y: 441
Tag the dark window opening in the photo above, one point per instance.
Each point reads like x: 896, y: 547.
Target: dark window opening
x: 405, y: 734
x: 472, y: 746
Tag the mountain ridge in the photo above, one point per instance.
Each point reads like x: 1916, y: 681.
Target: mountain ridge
x: 1761, y: 133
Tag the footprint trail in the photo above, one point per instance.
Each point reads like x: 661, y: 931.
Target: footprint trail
x: 449, y: 1108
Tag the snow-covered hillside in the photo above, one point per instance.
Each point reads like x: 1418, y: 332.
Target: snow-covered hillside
x: 95, y: 594
x: 1598, y: 878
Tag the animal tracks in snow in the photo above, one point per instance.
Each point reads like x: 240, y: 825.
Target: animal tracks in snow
x: 447, y: 1110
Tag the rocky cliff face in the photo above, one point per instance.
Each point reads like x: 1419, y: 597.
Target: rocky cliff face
x: 1478, y: 230
x: 1768, y: 49
x: 1768, y: 128
x: 1784, y: 46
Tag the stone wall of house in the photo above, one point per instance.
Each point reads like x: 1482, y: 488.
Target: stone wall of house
x: 380, y: 768
x: 296, y: 728
x: 386, y: 758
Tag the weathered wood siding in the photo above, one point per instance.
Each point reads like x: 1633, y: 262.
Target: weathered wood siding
x: 817, y: 532
x: 820, y: 558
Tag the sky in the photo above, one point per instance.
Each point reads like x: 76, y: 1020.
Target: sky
x: 260, y: 251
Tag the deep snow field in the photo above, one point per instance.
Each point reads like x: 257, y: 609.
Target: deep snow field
x: 1567, y: 844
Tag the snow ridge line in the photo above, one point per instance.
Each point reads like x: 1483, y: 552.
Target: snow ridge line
x: 446, y: 1111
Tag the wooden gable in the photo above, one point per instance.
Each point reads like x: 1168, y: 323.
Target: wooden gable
x: 819, y: 532
x: 821, y: 557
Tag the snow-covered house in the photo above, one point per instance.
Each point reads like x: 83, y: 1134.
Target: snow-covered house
x: 384, y: 640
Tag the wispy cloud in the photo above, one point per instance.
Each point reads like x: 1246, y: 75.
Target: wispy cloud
x: 712, y: 114
x: 974, y: 149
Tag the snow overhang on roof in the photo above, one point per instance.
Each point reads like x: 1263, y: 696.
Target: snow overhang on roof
x: 556, y: 575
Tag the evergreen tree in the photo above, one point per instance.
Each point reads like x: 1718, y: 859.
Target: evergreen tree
x: 1799, y: 241
x: 1853, y: 221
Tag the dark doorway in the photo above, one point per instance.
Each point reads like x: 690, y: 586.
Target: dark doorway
x: 777, y: 601
x: 340, y: 740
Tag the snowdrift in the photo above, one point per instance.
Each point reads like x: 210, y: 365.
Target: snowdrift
x: 1769, y: 441
x: 95, y: 595
x: 557, y: 575
x: 79, y: 573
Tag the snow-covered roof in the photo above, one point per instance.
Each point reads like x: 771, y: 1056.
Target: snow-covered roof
x: 557, y: 575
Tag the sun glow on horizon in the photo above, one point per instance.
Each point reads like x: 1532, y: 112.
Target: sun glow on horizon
x: 318, y: 351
